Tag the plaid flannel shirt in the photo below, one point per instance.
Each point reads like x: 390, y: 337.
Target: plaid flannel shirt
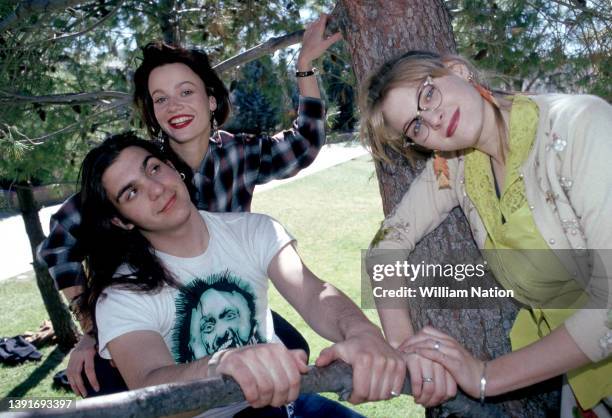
x: 224, y: 182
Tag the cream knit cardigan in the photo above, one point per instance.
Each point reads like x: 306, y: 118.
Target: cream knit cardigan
x: 568, y: 185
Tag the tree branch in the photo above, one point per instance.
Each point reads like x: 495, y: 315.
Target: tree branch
x: 268, y: 47
x: 46, y: 137
x: 173, y: 398
x: 27, y: 8
x: 531, y: 82
x: 90, y: 28
x: 12, y: 99
x: 191, y: 10
x: 258, y: 51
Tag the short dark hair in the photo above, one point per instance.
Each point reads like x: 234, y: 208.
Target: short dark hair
x: 156, y: 54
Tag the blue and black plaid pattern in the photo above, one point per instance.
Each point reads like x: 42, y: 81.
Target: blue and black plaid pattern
x: 225, y: 182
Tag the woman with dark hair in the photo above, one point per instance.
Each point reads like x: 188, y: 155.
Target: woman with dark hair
x: 532, y: 176
x: 179, y: 294
x: 183, y: 102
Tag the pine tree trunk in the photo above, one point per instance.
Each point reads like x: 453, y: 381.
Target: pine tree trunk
x: 65, y: 329
x: 376, y: 31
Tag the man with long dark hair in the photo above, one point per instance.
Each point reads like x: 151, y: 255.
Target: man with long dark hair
x: 153, y: 260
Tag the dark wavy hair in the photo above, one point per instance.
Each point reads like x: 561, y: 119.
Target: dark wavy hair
x: 156, y: 54
x: 107, y: 247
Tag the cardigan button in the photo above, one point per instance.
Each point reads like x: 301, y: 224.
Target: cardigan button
x: 552, y: 241
x: 559, y: 144
x: 531, y: 207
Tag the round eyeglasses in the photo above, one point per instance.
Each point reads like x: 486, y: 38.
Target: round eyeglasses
x: 429, y: 97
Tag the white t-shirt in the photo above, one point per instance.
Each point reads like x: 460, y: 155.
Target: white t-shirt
x: 224, y: 301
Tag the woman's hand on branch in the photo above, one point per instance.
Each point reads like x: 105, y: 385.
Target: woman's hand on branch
x: 444, y: 350
x: 314, y: 43
x: 431, y: 383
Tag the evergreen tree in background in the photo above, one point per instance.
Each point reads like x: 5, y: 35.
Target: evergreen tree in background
x: 338, y: 81
x: 256, y: 99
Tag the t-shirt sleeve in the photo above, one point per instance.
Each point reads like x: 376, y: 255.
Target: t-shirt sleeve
x: 119, y: 312
x: 266, y: 237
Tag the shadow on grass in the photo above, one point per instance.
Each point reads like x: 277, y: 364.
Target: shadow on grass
x: 50, y: 363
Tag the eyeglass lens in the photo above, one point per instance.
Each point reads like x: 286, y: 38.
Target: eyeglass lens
x: 429, y: 98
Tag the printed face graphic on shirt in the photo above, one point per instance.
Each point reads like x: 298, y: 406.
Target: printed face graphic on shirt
x: 221, y: 320
x: 214, y: 314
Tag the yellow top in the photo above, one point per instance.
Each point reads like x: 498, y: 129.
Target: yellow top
x: 537, y: 276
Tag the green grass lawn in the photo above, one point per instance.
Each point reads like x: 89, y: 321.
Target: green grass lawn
x: 333, y: 215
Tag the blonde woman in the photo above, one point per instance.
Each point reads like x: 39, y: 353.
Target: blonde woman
x: 530, y: 173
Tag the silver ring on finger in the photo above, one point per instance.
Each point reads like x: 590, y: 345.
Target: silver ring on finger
x: 437, y: 345
x: 428, y: 380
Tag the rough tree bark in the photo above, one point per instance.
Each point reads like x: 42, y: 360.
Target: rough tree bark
x: 65, y: 329
x: 375, y: 31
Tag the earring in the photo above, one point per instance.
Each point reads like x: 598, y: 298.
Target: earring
x: 484, y: 92
x: 440, y: 167
x: 159, y: 138
x: 182, y: 176
x: 216, y: 136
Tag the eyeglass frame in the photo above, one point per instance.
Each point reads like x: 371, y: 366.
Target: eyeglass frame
x: 409, y: 142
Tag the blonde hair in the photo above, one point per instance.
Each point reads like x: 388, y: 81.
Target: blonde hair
x: 410, y: 68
